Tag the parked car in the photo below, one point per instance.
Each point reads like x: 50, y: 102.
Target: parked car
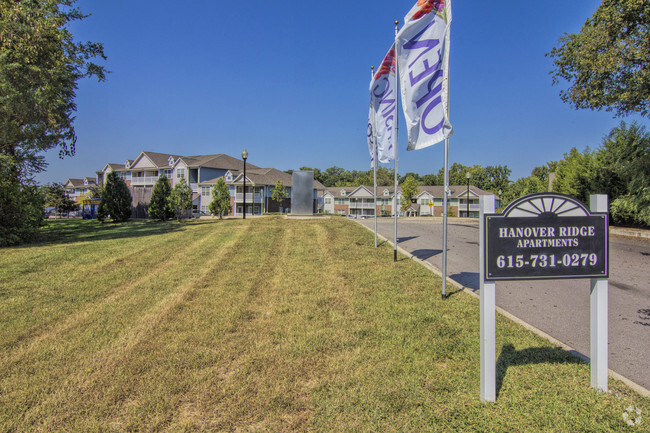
x: 199, y: 213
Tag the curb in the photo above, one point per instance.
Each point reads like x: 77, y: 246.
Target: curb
x: 629, y: 233
x: 614, y: 375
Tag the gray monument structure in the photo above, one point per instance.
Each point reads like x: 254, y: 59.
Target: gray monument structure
x: 302, y: 193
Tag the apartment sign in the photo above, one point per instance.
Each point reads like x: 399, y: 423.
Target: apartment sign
x: 546, y: 236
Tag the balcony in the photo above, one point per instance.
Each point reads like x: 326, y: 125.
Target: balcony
x: 362, y: 205
x: 472, y: 207
x: 144, y: 180
x: 250, y: 198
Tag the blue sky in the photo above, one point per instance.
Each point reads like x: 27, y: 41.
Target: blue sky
x: 288, y: 81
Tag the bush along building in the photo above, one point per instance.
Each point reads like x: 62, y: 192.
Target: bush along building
x: 358, y: 201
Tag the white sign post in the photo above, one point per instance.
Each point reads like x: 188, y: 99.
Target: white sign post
x: 545, y: 236
x: 488, y: 315
x: 599, y: 314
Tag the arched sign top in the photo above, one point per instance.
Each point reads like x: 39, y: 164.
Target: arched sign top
x: 546, y: 204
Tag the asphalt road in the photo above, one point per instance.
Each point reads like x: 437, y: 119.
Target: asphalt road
x: 558, y: 307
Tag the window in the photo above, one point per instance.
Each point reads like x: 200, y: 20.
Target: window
x: 328, y: 200
x: 180, y: 172
x: 386, y: 192
x: 205, y: 191
x: 343, y: 193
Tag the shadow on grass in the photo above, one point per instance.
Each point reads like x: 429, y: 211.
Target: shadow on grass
x: 424, y: 254
x: 77, y: 230
x: 449, y: 294
x: 510, y: 357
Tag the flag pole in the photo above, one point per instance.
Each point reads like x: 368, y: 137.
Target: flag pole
x: 395, y: 208
x: 374, y: 140
x: 444, y: 222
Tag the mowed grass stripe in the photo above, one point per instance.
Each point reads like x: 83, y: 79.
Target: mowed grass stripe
x: 168, y: 356
x: 132, y: 274
x: 110, y: 361
x: 44, y: 287
x: 254, y: 378
x: 300, y: 326
x: 73, y: 351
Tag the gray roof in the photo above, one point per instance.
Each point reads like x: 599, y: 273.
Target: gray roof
x: 262, y: 176
x: 159, y: 159
x: 79, y: 183
x: 222, y: 161
x: 76, y: 183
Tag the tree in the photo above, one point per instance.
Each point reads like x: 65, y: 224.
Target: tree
x: 457, y: 174
x: 385, y: 176
x: 622, y: 171
x: 415, y: 177
x: 116, y: 199
x: 574, y: 174
x: 334, y: 176
x: 220, y: 203
x: 21, y: 205
x: 55, y: 196
x: 431, y: 179
x: 279, y: 192
x: 523, y: 186
x: 94, y: 191
x: 543, y: 172
x: 409, y: 191
x: 607, y: 63
x: 181, y: 198
x: 159, y: 205
x: 40, y: 66
x: 497, y: 178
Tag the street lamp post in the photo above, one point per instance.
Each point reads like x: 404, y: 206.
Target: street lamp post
x: 244, y: 155
x: 468, y: 176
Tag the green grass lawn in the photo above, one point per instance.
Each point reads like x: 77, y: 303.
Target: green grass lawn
x: 264, y: 325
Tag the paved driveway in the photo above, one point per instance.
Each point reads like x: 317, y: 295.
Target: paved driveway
x: 558, y: 307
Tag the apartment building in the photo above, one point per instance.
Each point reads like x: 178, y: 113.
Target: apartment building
x: 142, y: 173
x: 201, y: 173
x: 359, y: 201
x: 76, y: 189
